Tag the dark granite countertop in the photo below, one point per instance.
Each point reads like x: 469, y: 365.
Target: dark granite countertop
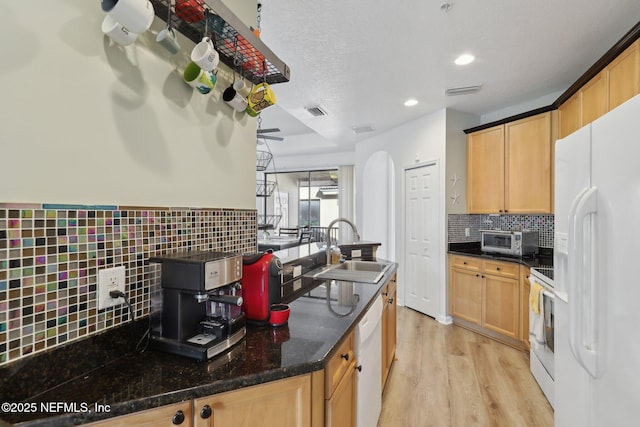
x: 86, y: 372
x: 544, y: 258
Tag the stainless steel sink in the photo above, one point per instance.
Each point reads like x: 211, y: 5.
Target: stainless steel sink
x: 355, y: 271
x: 354, y: 265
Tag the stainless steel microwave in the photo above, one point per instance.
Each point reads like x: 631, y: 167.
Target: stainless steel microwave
x: 514, y: 243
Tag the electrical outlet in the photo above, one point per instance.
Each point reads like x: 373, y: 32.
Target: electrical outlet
x: 110, y: 279
x: 467, y: 232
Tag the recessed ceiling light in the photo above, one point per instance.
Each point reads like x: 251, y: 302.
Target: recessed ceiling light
x: 464, y: 59
x: 410, y: 102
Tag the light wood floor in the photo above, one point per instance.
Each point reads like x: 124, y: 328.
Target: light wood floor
x: 445, y: 375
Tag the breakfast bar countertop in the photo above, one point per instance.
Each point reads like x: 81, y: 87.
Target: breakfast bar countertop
x: 104, y: 370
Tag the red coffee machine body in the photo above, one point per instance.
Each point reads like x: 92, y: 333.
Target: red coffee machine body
x: 261, y: 285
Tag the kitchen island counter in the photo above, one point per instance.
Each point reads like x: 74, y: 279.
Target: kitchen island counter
x: 323, y: 313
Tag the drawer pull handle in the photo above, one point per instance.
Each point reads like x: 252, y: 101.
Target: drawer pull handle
x: 464, y: 262
x: 206, y: 412
x: 345, y: 356
x: 178, y: 418
x: 497, y: 268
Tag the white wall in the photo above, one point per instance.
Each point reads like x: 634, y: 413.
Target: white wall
x: 542, y: 101
x: 84, y: 121
x: 312, y: 162
x: 436, y: 137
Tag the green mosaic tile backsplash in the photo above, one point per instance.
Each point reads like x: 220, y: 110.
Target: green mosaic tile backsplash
x: 50, y: 256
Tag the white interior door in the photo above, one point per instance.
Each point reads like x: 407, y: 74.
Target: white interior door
x: 422, y: 225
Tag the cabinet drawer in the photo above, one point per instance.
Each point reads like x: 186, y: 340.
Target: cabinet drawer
x: 466, y: 263
x: 338, y: 364
x: 504, y: 269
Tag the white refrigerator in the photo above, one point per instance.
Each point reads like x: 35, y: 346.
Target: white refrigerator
x: 597, y: 272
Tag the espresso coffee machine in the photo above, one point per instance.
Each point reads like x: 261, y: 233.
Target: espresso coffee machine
x: 197, y: 312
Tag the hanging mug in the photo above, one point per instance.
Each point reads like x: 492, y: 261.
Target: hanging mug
x: 167, y: 38
x: 205, y: 55
x: 136, y: 15
x: 204, y: 81
x: 234, y: 99
x: 117, y: 32
x: 261, y: 97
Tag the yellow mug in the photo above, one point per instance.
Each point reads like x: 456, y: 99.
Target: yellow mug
x: 261, y: 97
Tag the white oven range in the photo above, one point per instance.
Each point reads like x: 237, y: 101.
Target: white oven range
x: 541, y: 331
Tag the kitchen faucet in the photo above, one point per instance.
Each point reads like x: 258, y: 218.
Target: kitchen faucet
x: 356, y: 236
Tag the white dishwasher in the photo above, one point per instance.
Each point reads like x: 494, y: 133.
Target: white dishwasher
x: 368, y: 350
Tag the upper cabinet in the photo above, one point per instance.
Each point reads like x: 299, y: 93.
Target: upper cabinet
x: 616, y: 83
x: 624, y: 76
x: 509, y: 167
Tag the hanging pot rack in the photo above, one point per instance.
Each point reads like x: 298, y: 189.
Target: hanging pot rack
x: 236, y: 44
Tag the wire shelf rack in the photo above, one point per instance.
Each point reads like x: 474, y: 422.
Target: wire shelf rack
x: 263, y: 158
x: 238, y: 47
x: 268, y: 221
x: 265, y: 188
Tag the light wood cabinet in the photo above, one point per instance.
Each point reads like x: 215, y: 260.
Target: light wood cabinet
x: 388, y: 328
x: 624, y: 76
x: 177, y: 414
x: 615, y: 84
x: 524, y: 305
x: 569, y: 115
x: 595, y: 102
x: 501, y: 309
x: 341, y: 385
x: 488, y: 298
x: 465, y: 289
x: 485, y: 170
x: 285, y: 402
x: 509, y: 167
x: 528, y: 165
x: 340, y: 408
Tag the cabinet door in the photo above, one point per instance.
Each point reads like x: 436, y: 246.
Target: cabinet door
x: 388, y: 330
x: 524, y: 306
x: 569, y: 115
x: 466, y: 295
x: 528, y: 165
x: 341, y: 408
x: 178, y: 414
x: 501, y: 305
x: 485, y: 171
x: 286, y: 402
x: 624, y: 76
x: 595, y: 99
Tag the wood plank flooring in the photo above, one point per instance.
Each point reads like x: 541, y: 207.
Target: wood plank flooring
x: 445, y: 375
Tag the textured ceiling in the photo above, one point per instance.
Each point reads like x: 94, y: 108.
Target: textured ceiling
x: 361, y: 59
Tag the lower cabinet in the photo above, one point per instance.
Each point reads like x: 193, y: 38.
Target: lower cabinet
x: 322, y: 398
x: 388, y: 328
x: 341, y: 386
x: 285, y: 402
x: 177, y: 414
x: 340, y: 408
x: 485, y: 296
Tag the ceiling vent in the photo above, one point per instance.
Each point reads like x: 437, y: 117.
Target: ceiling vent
x: 462, y: 90
x: 315, y: 111
x: 362, y: 129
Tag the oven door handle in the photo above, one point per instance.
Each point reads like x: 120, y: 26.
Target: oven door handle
x: 582, y: 305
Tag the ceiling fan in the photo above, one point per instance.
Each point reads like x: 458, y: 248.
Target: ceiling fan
x: 261, y: 135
